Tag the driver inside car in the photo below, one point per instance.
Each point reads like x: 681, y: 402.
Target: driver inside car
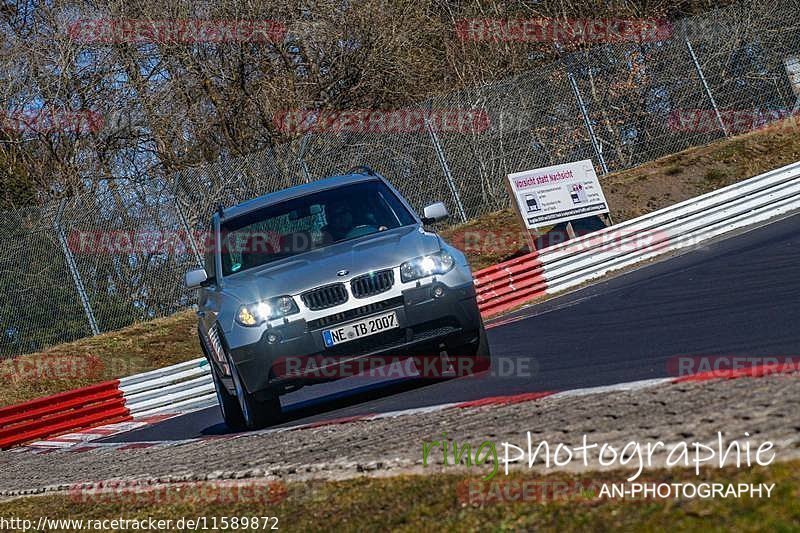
x: 342, y: 223
x: 340, y: 220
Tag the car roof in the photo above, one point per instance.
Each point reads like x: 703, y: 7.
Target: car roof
x: 293, y: 192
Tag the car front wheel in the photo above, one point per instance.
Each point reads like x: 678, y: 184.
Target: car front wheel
x: 478, y: 352
x: 228, y: 404
x: 258, y: 411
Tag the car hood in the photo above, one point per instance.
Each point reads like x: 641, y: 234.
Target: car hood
x: 305, y: 271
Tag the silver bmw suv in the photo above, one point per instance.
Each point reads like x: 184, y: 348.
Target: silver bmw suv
x: 333, y: 272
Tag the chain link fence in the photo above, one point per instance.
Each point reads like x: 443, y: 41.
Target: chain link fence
x: 104, y: 260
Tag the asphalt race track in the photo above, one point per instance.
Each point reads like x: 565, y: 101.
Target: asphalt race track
x: 736, y: 297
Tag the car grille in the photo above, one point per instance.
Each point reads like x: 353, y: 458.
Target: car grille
x: 371, y: 284
x: 435, y: 329
x: 325, y: 297
x: 350, y: 314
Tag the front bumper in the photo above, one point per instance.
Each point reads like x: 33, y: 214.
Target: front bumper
x: 425, y: 324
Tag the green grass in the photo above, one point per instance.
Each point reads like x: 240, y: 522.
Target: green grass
x: 436, y: 503
x: 135, y: 349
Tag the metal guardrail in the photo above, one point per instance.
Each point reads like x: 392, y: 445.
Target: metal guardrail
x: 181, y: 387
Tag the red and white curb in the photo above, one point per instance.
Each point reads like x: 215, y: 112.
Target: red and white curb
x: 108, y: 408
x: 495, y: 401
x: 101, y: 432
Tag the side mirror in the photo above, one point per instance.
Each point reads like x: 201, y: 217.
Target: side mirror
x: 434, y: 213
x: 196, y: 278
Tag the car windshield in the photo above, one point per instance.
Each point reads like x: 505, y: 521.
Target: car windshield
x: 309, y: 222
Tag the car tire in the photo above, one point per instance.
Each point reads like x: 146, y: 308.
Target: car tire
x: 258, y: 411
x: 479, y: 352
x: 228, y: 404
x: 483, y: 350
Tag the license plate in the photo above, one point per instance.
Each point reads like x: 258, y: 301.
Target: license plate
x: 362, y: 328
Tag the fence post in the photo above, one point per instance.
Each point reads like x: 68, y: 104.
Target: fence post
x: 446, y: 169
x: 73, y: 268
x: 703, y: 80
x: 274, y: 159
x: 198, y: 257
x: 588, y: 123
x: 301, y: 159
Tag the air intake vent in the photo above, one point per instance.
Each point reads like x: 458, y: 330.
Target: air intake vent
x: 325, y: 297
x: 216, y: 344
x: 371, y: 284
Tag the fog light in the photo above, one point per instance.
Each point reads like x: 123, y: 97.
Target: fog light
x: 438, y: 291
x: 272, y: 338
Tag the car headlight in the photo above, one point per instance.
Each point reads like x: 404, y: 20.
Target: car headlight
x: 427, y: 265
x: 256, y: 314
